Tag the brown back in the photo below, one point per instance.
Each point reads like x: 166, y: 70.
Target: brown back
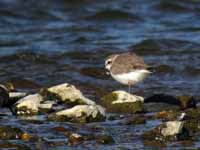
x: 126, y: 62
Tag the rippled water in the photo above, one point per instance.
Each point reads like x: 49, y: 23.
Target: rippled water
x: 47, y: 42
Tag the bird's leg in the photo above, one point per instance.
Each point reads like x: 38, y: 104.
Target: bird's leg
x: 129, y: 88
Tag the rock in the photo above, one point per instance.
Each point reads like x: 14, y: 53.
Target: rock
x: 46, y: 106
x: 66, y: 93
x: 25, y: 136
x: 122, y: 102
x: 193, y: 113
x: 186, y: 101
x: 172, y: 128
x: 168, y: 131
x: 105, y: 139
x: 80, y: 114
x: 154, y: 143
x: 135, y: 120
x: 192, y: 126
x: 75, y: 139
x: 167, y: 115
x: 17, y: 95
x: 28, y: 105
x: 183, y: 102
x: 10, y: 133
x: 4, y: 96
x: 5, y: 145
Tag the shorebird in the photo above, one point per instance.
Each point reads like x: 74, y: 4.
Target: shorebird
x: 127, y: 68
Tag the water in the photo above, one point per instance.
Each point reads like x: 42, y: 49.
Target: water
x: 43, y: 43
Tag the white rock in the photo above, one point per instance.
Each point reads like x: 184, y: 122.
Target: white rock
x: 31, y: 102
x: 47, y: 105
x: 124, y: 97
x: 17, y: 94
x: 68, y: 92
x: 172, y: 128
x: 79, y: 110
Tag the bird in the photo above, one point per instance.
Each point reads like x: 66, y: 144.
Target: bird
x: 127, y: 68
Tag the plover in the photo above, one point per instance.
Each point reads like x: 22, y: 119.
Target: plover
x: 127, y: 68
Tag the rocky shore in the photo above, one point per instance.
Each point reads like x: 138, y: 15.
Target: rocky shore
x: 65, y: 103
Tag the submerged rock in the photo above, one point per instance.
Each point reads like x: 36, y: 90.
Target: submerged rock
x: 122, y: 102
x: 183, y: 102
x: 5, y: 145
x: 80, y: 114
x: 66, y: 93
x: 10, y: 133
x: 104, y: 139
x: 28, y: 105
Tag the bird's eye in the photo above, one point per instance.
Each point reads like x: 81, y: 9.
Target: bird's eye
x: 109, y: 62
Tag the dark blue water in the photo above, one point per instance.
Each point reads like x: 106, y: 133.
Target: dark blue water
x: 47, y: 42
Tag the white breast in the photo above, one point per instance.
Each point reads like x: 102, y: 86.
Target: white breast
x: 131, y: 77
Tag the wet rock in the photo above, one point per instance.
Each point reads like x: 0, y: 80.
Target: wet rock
x: 80, y: 114
x: 193, y: 113
x: 154, y: 143
x: 22, y: 83
x: 28, y: 105
x: 164, y: 69
x: 14, y: 97
x: 168, y: 131
x: 5, y: 145
x: 46, y: 106
x: 182, y: 101
x: 122, y: 102
x: 105, y: 139
x: 75, y: 139
x: 186, y: 101
x: 169, y: 115
x: 17, y: 95
x: 10, y: 133
x: 4, y: 96
x: 172, y: 128
x: 192, y: 126
x: 25, y: 136
x: 94, y: 72
x: 113, y: 117
x: 135, y: 120
x: 66, y: 93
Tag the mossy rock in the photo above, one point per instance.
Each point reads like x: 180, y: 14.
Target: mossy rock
x: 125, y: 107
x: 82, y: 119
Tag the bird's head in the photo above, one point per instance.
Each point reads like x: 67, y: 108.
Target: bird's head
x: 109, y: 61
